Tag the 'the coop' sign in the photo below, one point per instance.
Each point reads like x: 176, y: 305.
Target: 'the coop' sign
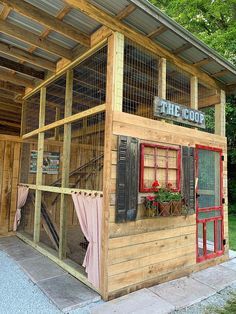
x: 168, y: 110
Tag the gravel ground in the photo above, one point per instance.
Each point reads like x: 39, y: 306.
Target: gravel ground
x: 18, y: 294
x: 209, y: 305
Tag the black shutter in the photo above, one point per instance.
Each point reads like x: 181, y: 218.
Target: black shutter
x: 127, y: 179
x: 188, y: 177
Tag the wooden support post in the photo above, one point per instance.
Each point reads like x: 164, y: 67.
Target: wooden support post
x: 39, y: 175
x: 194, y: 92
x: 162, y: 81
x: 66, y: 164
x: 114, y: 99
x: 220, y: 115
x: 22, y: 127
x: 116, y: 71
x: 162, y: 78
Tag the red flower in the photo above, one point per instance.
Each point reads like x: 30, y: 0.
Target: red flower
x: 155, y: 203
x: 150, y: 198
x: 155, y: 184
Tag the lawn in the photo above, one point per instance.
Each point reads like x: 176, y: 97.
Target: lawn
x: 232, y: 232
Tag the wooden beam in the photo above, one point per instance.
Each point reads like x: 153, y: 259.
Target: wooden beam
x: 116, y: 25
x: 162, y: 78
x: 7, y: 76
x: 209, y: 101
x: 5, y: 12
x: 158, y: 31
x: 202, y: 62
x: 48, y: 20
x: 220, y: 115
x: 27, y: 57
x: 9, y: 108
x: 66, y: 165
x: 116, y: 68
x: 126, y: 11
x: 10, y: 124
x: 12, y: 65
x: 39, y: 174
x: 70, y: 119
x: 194, y: 92
x: 182, y: 48
x: 231, y: 88
x: 220, y: 73
x: 9, y: 101
x: 12, y: 87
x: 32, y: 39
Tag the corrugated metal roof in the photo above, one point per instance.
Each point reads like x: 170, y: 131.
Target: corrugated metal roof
x: 193, y: 55
x: 144, y: 25
x: 81, y: 21
x: 61, y: 40
x: 46, y: 55
x: 52, y: 7
x: 13, y: 41
x: 112, y: 7
x: 24, y: 22
x: 170, y: 40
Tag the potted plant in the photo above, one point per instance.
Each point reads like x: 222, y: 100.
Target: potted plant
x: 164, y: 202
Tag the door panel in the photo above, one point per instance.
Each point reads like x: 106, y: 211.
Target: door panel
x: 209, y: 203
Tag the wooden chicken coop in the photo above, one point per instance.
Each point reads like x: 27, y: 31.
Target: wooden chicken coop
x: 114, y: 131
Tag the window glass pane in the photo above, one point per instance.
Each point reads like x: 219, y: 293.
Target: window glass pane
x: 208, y: 178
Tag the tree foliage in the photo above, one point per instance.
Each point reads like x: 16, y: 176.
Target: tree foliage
x: 214, y: 22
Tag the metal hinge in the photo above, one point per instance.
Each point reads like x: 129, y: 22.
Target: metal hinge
x: 223, y: 158
x: 224, y: 241
x: 223, y: 200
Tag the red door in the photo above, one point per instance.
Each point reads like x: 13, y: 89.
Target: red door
x: 209, y: 211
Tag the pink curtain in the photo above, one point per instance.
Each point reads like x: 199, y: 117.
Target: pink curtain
x: 89, y: 213
x: 21, y: 199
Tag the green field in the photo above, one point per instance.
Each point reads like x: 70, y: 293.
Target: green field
x: 232, y: 232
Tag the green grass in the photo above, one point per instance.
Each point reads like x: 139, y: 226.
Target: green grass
x: 232, y: 232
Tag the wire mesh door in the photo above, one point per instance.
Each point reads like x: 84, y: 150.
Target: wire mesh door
x: 209, y: 203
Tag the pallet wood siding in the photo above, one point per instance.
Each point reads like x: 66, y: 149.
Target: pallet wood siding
x: 153, y: 250
x: 10, y: 147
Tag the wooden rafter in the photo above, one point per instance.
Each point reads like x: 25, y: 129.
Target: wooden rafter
x: 26, y: 56
x: 12, y: 65
x: 7, y: 76
x: 220, y: 73
x: 6, y: 100
x: 111, y: 22
x: 126, y: 12
x: 158, y: 31
x: 48, y: 20
x: 5, y: 12
x: 203, y: 62
x: 12, y: 87
x: 10, y: 124
x: 32, y: 39
x: 182, y: 48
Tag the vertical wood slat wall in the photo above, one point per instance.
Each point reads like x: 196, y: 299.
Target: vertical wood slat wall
x: 10, y: 147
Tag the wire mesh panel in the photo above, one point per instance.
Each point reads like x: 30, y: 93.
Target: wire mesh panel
x: 177, y: 85
x: 27, y: 215
x: 206, y: 95
x: 89, y: 83
x: 87, y: 153
x: 28, y: 165
x: 31, y: 114
x: 55, y: 100
x: 140, y: 80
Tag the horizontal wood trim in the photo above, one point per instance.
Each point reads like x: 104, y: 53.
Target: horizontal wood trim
x: 134, y: 252
x: 151, y: 130
x: 136, y: 276
x: 125, y: 241
x: 55, y: 189
x: 70, y: 119
x: 130, y: 265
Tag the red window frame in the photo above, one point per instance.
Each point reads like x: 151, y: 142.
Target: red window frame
x: 215, y: 219
x: 142, y: 188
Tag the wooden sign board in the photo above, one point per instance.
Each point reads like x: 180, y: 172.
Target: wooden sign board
x: 166, y: 109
